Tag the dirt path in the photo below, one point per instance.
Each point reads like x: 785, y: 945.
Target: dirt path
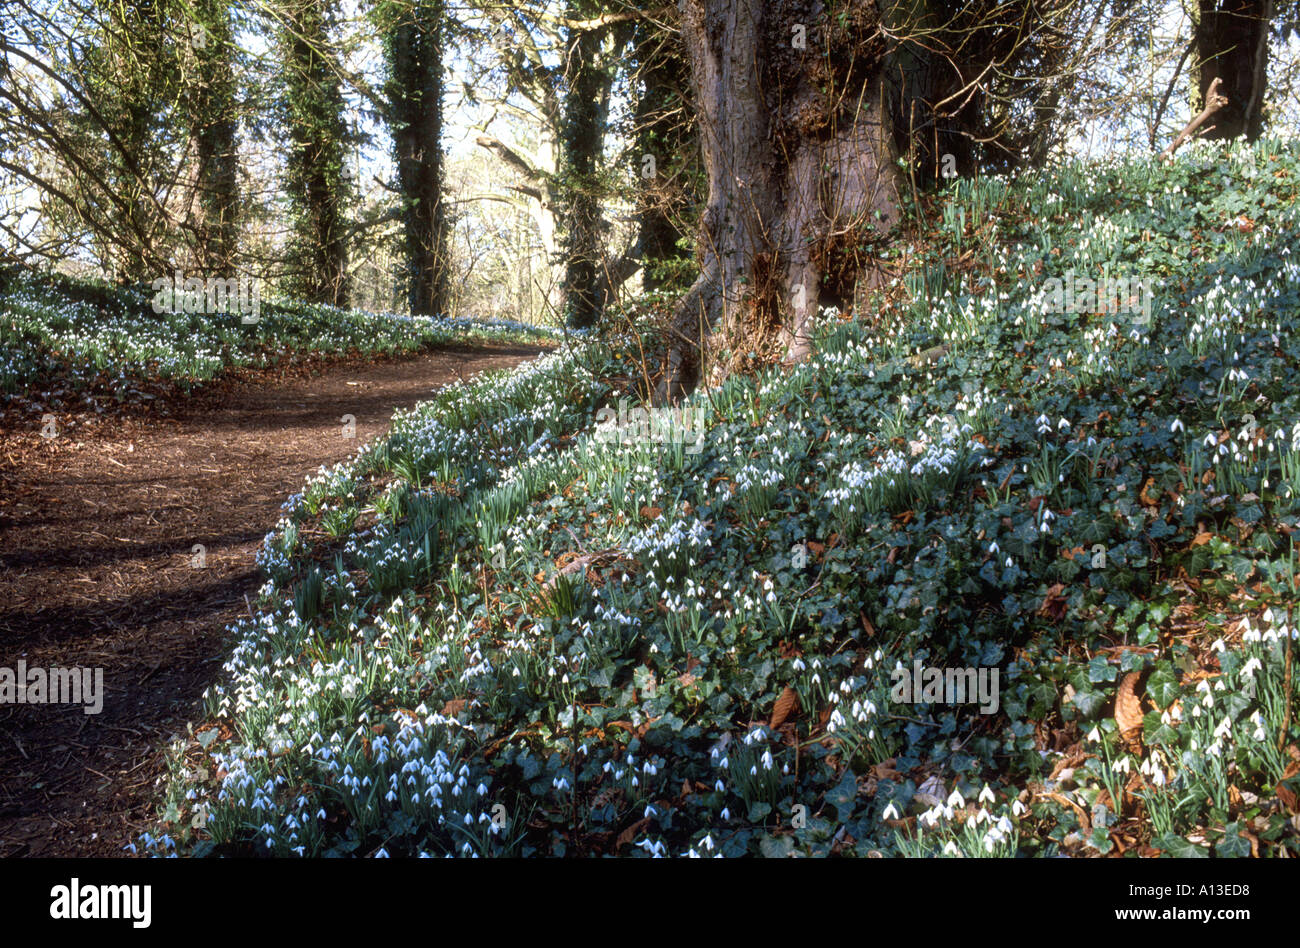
x: 97, y: 527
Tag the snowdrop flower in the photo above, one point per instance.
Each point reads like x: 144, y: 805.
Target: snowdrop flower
x: 891, y: 812
x: 986, y: 795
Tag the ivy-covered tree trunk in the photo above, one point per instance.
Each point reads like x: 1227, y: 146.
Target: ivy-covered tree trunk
x: 216, y: 122
x: 414, y: 95
x: 316, y: 181
x: 662, y: 157
x: 1232, y: 45
x: 582, y: 140
x: 800, y: 163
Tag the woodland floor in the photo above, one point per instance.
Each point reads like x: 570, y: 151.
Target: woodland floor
x: 96, y: 531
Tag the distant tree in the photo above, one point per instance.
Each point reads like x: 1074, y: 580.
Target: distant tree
x: 214, y: 108
x: 665, y: 159
x: 414, y: 33
x: 317, y: 135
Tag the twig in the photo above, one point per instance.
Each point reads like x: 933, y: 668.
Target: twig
x: 1214, y: 100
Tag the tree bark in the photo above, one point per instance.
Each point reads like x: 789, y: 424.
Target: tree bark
x: 317, y: 178
x: 582, y: 139
x: 662, y: 133
x: 415, y: 115
x: 800, y: 163
x: 216, y: 120
x: 1232, y: 46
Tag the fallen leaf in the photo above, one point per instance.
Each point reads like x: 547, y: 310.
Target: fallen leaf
x: 626, y: 837
x: 1145, y: 494
x: 1054, y: 603
x: 783, y: 707
x: 1128, y: 710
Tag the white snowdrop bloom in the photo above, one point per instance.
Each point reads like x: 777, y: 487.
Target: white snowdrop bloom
x: 986, y: 795
x: 955, y: 799
x: 1019, y: 809
x: 1094, y: 735
x: 891, y: 812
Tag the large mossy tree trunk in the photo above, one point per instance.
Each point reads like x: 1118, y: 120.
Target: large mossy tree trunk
x: 216, y: 123
x: 316, y: 174
x: 1232, y: 45
x: 414, y: 94
x: 800, y: 163
x: 662, y: 162
x: 582, y: 140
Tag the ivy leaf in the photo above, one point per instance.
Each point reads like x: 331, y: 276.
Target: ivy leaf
x: 1233, y: 845
x: 1162, y: 686
x: 1179, y: 848
x: 1100, y: 670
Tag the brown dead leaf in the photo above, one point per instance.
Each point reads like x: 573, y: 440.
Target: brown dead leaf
x: 454, y: 707
x: 1128, y: 710
x: 1145, y: 495
x: 885, y: 770
x: 1285, y: 793
x: 783, y: 708
x: 1054, y: 603
x: 626, y: 837
x: 651, y: 513
x: 1201, y: 538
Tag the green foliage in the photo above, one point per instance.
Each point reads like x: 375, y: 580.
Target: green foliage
x: 619, y: 645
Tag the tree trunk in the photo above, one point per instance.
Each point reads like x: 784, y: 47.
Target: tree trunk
x: 216, y: 120
x: 415, y: 104
x: 662, y: 133
x: 800, y: 164
x: 1232, y: 45
x: 582, y: 139
x: 317, y: 179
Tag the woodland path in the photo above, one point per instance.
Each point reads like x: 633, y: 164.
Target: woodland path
x: 96, y: 531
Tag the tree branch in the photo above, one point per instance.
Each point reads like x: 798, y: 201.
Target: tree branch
x: 1214, y: 101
